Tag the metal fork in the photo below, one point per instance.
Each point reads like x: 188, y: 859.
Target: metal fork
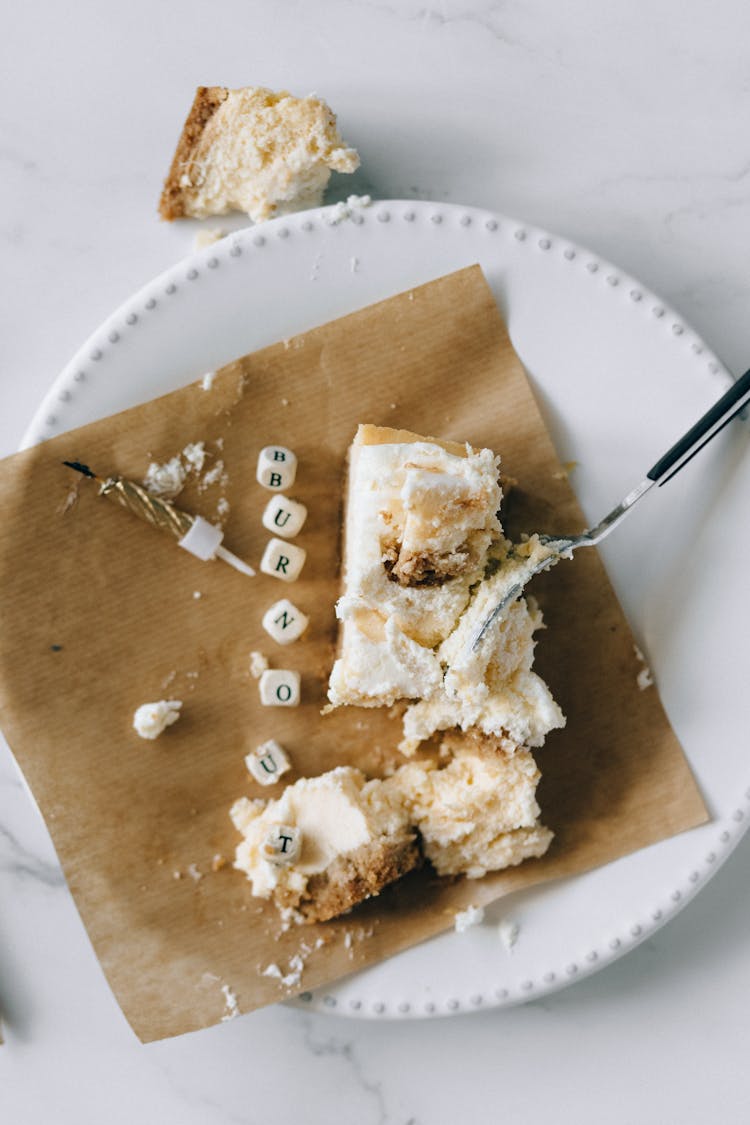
x: 676, y: 457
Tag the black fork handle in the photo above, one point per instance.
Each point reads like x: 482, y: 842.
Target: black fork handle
x: 706, y: 428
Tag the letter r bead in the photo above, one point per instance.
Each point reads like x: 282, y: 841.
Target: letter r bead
x: 284, y: 622
x: 283, y: 560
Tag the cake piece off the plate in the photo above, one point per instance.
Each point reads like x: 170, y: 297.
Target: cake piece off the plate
x: 255, y: 151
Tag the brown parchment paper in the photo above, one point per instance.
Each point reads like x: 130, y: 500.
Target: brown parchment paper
x: 99, y: 615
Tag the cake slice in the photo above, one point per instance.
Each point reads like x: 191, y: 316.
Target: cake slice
x: 421, y: 516
x: 424, y: 559
x: 355, y: 837
x: 255, y: 151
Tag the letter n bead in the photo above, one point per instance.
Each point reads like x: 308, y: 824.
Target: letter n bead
x: 282, y: 845
x: 267, y: 762
x: 284, y: 622
x: 277, y: 468
x: 283, y: 560
x: 280, y: 687
x: 284, y: 517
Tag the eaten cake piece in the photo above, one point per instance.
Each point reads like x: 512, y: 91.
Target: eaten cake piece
x: 355, y: 837
x: 256, y: 151
x: 420, y: 518
x: 479, y: 812
x: 424, y: 558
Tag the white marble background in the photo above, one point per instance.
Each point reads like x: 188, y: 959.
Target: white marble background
x: 623, y: 126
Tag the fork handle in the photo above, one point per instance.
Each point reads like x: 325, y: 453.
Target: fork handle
x: 706, y: 428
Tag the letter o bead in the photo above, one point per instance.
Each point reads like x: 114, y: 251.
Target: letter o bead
x: 277, y: 468
x: 283, y: 560
x: 280, y: 687
x: 284, y: 517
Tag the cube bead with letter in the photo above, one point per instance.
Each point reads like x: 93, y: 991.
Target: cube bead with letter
x: 283, y: 560
x: 284, y: 517
x: 277, y: 468
x: 267, y: 762
x: 280, y: 687
x: 284, y: 622
x: 282, y: 845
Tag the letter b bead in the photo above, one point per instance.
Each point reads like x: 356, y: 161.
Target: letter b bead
x: 277, y: 468
x: 284, y: 517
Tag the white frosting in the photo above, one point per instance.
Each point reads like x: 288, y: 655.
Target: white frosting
x: 336, y: 813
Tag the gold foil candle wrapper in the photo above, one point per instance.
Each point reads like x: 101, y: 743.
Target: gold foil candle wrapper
x: 159, y: 513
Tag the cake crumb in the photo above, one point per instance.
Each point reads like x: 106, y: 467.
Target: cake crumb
x: 152, y: 719
x: 285, y: 402
x: 232, y: 1008
x: 508, y: 932
x: 292, y: 977
x: 165, y: 480
x: 195, y: 455
x: 645, y: 678
x: 394, y: 405
x: 216, y: 475
x: 218, y: 862
x: 197, y: 594
x: 349, y: 209
x: 176, y: 874
x: 222, y: 506
x: 194, y: 872
x: 258, y: 664
x: 465, y: 919
x: 565, y: 470
x: 208, y: 236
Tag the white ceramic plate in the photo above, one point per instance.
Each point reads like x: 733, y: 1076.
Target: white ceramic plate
x: 618, y: 376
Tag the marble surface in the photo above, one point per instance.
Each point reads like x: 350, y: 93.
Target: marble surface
x: 624, y: 127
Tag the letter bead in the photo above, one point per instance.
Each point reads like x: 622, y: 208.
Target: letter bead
x: 268, y: 762
x: 280, y: 687
x: 284, y: 517
x: 277, y: 468
x: 282, y: 845
x: 284, y: 622
x: 283, y: 560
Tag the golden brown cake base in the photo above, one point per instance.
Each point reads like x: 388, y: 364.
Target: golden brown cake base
x: 207, y: 100
x: 352, y: 878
